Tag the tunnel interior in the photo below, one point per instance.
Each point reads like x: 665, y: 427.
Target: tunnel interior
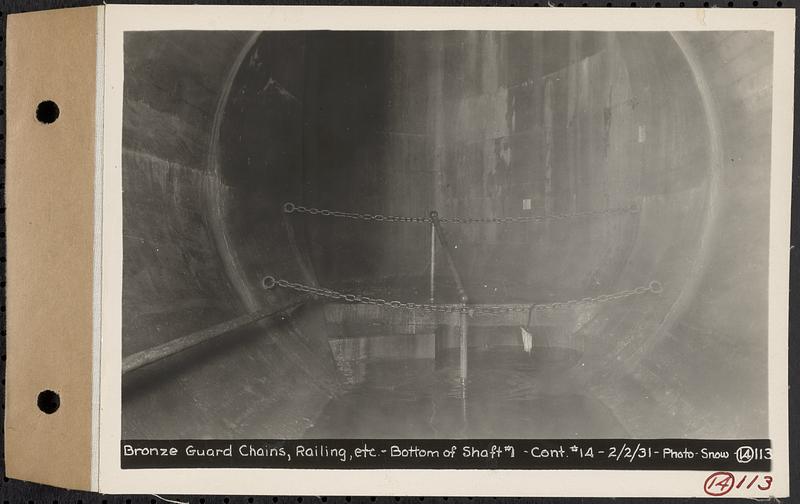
x: 595, y: 163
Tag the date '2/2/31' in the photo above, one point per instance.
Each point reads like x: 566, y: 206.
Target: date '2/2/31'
x: 630, y: 452
x: 721, y: 483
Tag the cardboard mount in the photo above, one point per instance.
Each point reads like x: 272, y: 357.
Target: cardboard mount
x: 50, y: 195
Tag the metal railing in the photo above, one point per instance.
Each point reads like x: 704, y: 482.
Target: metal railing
x: 462, y: 307
x: 177, y: 345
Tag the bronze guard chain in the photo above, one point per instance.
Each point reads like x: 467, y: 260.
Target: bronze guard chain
x: 269, y: 282
x: 292, y: 208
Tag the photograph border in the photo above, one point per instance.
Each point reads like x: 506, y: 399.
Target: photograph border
x: 577, y: 483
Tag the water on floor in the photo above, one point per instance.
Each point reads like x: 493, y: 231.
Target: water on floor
x: 402, y: 386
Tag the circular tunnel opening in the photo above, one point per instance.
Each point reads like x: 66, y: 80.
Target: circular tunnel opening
x: 562, y: 174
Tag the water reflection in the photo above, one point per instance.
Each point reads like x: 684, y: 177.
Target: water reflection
x: 410, y: 386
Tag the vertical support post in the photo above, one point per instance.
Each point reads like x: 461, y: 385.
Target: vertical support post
x: 433, y: 261
x: 463, y: 298
x: 463, y: 349
x: 463, y: 368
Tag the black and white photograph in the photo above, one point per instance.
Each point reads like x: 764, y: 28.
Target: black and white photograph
x: 458, y: 234
x: 400, y: 252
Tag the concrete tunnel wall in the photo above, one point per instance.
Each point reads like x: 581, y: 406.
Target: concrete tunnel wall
x: 469, y: 124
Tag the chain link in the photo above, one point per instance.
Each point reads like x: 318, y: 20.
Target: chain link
x: 289, y: 208
x: 292, y: 208
x: 269, y: 282
x: 538, y: 218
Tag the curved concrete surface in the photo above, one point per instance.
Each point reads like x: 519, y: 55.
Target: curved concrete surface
x: 469, y: 124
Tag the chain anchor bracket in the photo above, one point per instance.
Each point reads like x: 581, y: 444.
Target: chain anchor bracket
x: 656, y: 287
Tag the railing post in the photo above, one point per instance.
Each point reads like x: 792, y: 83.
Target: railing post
x: 433, y: 261
x: 463, y: 352
x: 464, y: 300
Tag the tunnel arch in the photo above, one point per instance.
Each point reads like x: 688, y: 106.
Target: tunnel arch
x: 678, y: 287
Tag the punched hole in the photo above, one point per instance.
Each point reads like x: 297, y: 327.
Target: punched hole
x: 48, y: 401
x: 47, y: 112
